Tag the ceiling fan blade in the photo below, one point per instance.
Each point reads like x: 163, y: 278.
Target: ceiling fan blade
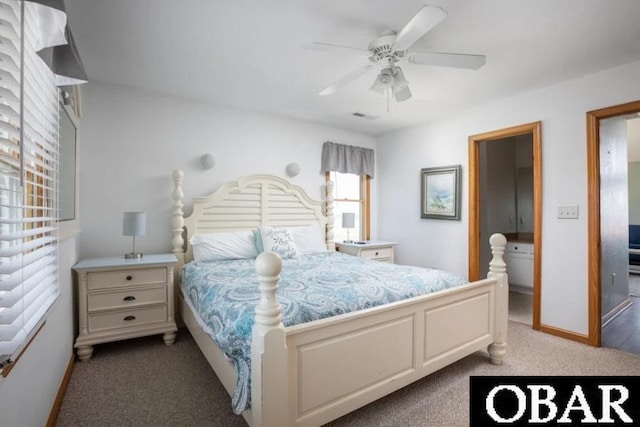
x: 332, y: 47
x: 426, y: 18
x: 456, y: 60
x: 344, y: 80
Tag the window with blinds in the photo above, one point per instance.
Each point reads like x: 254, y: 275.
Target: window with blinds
x: 351, y: 194
x: 28, y: 179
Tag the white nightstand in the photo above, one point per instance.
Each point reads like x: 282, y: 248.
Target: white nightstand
x: 122, y: 298
x: 372, y: 249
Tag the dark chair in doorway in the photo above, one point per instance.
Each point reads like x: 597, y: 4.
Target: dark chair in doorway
x: 634, y: 245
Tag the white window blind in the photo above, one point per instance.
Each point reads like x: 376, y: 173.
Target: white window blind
x: 28, y: 178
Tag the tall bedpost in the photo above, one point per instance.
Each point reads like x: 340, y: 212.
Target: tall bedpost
x: 498, y: 270
x: 328, y: 211
x: 269, y: 385
x: 177, y: 219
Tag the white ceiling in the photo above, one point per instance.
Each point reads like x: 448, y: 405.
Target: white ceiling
x: 249, y: 54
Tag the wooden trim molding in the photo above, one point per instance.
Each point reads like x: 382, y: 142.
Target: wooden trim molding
x: 563, y: 333
x: 366, y: 182
x: 53, y: 415
x: 593, y: 206
x: 535, y: 129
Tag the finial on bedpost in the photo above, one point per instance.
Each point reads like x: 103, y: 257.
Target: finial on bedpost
x: 329, y: 214
x: 498, y: 244
x: 177, y: 217
x: 498, y: 270
x: 269, y: 386
x: 268, y: 267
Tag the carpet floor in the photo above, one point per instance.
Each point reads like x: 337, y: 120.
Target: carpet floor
x: 142, y: 382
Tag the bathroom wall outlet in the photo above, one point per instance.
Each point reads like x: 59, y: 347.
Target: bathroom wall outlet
x: 568, y: 212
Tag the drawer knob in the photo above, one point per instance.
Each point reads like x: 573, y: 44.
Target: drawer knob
x: 377, y: 253
x: 129, y: 277
x: 129, y: 298
x: 128, y: 318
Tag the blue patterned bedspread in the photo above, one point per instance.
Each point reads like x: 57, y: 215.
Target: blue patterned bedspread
x: 312, y: 286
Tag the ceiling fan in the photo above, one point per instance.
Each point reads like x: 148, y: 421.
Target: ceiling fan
x: 391, y: 47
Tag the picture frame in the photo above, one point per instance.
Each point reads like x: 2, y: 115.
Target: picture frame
x: 440, y: 192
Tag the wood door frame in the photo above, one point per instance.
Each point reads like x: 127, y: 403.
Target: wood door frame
x: 474, y: 204
x: 593, y: 192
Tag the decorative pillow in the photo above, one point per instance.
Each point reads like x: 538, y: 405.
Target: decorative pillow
x: 308, y: 238
x: 278, y: 240
x: 223, y: 246
x: 258, y: 240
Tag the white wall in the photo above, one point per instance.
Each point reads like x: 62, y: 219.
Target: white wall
x: 444, y: 244
x: 27, y: 394
x: 132, y: 140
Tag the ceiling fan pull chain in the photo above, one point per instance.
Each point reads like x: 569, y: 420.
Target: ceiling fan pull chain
x: 388, y: 96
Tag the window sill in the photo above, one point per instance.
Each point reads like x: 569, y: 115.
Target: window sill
x: 6, y: 370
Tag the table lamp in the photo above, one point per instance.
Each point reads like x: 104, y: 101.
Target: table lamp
x: 348, y: 221
x: 134, y: 224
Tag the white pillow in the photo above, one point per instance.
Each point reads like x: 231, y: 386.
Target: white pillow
x: 278, y: 240
x: 223, y: 246
x: 308, y: 238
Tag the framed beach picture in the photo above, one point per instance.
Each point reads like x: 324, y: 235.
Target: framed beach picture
x: 440, y: 196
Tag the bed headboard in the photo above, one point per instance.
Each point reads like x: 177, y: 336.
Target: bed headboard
x: 244, y: 205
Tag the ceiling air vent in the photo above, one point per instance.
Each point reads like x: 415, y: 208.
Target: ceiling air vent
x: 365, y: 116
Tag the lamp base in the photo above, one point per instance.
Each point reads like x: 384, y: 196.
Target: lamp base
x: 133, y: 255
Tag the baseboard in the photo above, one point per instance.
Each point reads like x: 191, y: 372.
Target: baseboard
x: 518, y: 289
x: 615, y: 311
x: 563, y: 333
x: 53, y: 415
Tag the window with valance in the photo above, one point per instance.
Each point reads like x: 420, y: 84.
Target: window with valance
x: 347, y: 159
x: 351, y: 169
x: 37, y: 54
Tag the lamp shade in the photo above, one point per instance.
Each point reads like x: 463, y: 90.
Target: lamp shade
x: 348, y: 220
x: 134, y: 223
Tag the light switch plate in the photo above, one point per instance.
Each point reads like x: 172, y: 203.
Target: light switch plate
x: 568, y: 212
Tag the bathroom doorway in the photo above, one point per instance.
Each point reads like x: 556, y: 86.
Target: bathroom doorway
x: 519, y: 218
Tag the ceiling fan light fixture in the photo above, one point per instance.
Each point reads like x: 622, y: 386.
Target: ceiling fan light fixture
x: 400, y: 85
x: 383, y: 82
x: 402, y: 94
x: 391, y: 47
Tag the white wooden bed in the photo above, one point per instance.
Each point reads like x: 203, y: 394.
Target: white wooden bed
x: 315, y: 372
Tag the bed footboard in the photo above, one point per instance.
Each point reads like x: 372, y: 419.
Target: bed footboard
x: 312, y: 373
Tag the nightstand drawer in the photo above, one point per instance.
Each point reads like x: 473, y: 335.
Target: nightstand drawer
x: 113, y: 279
x: 126, y: 298
x: 377, y: 253
x: 123, y: 319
